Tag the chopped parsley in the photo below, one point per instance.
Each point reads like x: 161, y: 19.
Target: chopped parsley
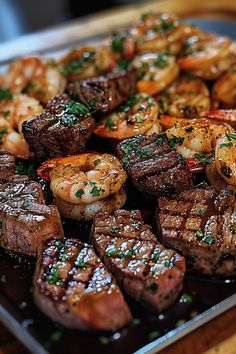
x: 160, y: 139
x: 55, y: 336
x: 3, y: 132
x: 204, y: 158
x: 54, y: 277
x: 6, y: 113
x: 24, y: 169
x: 202, y: 211
x: 115, y: 229
x: 96, y: 162
x: 230, y: 136
x: 110, y: 124
x: 26, y: 204
x: 163, y: 105
x: 209, y: 239
x: 155, y: 255
x: 104, y: 340
x: 135, y: 322
x: 117, y: 42
x: 114, y: 252
x: 80, y: 264
x: 186, y: 298
x: 229, y: 145
x: 174, y: 140
x: 123, y: 64
x: 5, y: 94
x: 161, y: 60
x: 139, y: 119
x: 59, y: 245
x: 79, y: 193
x: 96, y: 191
x: 76, y: 108
x: 199, y: 234
x: 154, y: 335
x: 3, y: 279
x: 76, y: 65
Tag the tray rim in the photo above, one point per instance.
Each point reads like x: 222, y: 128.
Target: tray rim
x: 6, y: 317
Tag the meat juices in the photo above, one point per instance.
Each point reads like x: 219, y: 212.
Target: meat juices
x: 105, y: 93
x: 153, y: 166
x: 24, y: 218
x: 72, y: 287
x: 200, y: 223
x: 146, y: 270
x: 63, y: 129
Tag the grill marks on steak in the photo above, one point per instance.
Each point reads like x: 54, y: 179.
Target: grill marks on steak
x: 153, y: 166
x: 72, y: 286
x: 58, y: 131
x: 24, y: 218
x: 145, y: 269
x: 7, y: 166
x: 105, y: 93
x: 201, y: 224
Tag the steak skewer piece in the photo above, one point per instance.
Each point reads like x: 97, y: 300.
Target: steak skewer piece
x: 72, y: 287
x: 7, y: 166
x: 146, y: 270
x: 200, y: 223
x: 153, y: 166
x: 63, y: 129
x: 25, y: 220
x: 105, y: 93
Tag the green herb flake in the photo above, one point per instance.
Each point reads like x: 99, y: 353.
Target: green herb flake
x: 230, y: 136
x: 80, y: 264
x: 6, y: 113
x: 26, y: 204
x: 203, y: 157
x: 161, y: 61
x: 110, y: 124
x: 115, y: 229
x: 59, y: 245
x: 154, y: 335
x: 117, y: 42
x: 96, y: 192
x: 209, y: 239
x: 201, y: 211
x: 186, y: 298
x: 104, y: 340
x: 53, y: 277
x: 5, y: 94
x: 113, y: 252
x: 56, y: 336
x: 153, y: 287
x: 79, y: 193
x: 123, y: 64
x: 135, y: 322
x: 3, y: 132
x: 227, y: 145
x: 174, y: 140
x: 76, y: 108
x: 3, y: 279
x: 199, y: 234
x: 24, y: 169
x: 76, y: 65
x: 139, y: 119
x: 97, y: 162
x: 22, y: 305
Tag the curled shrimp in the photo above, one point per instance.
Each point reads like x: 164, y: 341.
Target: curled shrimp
x: 86, y: 62
x: 155, y: 71
x: 225, y: 157
x: 84, y: 178
x: 85, y: 212
x: 157, y: 32
x: 221, y: 115
x: 12, y: 141
x: 36, y: 77
x: 224, y: 90
x: 197, y: 138
x: 215, y: 179
x: 186, y: 97
x: 19, y: 109
x: 207, y: 56
x: 139, y: 115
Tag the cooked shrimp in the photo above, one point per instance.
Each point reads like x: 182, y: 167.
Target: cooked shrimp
x: 224, y: 90
x: 36, y: 77
x: 139, y: 115
x: 221, y: 115
x: 121, y: 45
x: 157, y: 32
x: 155, y: 71
x: 84, y: 178
x: 18, y: 109
x: 13, y: 142
x: 215, y: 179
x: 207, y: 56
x: 85, y: 212
x: 186, y: 97
x: 225, y: 157
x: 199, y: 137
x: 86, y: 62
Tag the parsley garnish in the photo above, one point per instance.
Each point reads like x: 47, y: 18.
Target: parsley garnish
x: 96, y: 191
x: 186, y: 298
x: 123, y: 64
x: 26, y: 204
x: 199, y: 233
x: 117, y: 42
x: 204, y: 157
x: 22, y: 169
x: 174, y: 140
x: 5, y: 94
x: 104, y: 340
x: 161, y: 60
x: 76, y: 65
x: 201, y: 211
x: 79, y: 193
x: 114, y: 252
x: 115, y: 229
x: 77, y: 108
x: 80, y: 264
x: 209, y: 239
x: 110, y: 124
x: 154, y: 335
x: 3, y: 279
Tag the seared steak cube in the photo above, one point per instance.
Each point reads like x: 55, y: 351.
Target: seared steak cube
x: 7, y: 166
x: 144, y: 268
x: 153, y: 166
x: 25, y: 220
x: 105, y: 93
x: 200, y: 223
x: 72, y: 287
x: 63, y: 129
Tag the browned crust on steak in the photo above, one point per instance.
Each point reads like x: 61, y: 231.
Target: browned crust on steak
x: 208, y: 241
x: 48, y: 137
x: 81, y: 293
x: 153, y: 166
x: 7, y: 166
x: 107, y: 92
x: 24, y: 218
x: 144, y: 268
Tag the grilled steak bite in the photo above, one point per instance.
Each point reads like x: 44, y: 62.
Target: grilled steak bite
x: 105, y: 93
x: 63, y: 129
x: 7, y: 166
x: 145, y: 269
x: 25, y: 220
x: 153, y: 166
x: 201, y: 224
x: 72, y: 287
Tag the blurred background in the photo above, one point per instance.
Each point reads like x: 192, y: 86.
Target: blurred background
x: 23, y: 16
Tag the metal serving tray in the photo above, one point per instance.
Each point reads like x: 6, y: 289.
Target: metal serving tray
x: 206, y: 298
